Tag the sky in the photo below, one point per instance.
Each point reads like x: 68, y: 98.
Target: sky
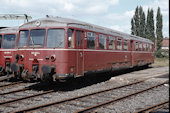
x: 114, y: 14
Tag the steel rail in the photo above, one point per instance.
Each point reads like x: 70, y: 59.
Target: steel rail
x: 117, y: 99
x: 153, y: 107
x: 3, y: 78
x: 26, y: 97
x: 74, y: 98
x: 7, y: 85
x: 15, y: 91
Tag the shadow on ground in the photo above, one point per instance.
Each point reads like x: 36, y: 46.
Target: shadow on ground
x: 77, y: 83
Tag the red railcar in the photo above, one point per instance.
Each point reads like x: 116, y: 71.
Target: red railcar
x: 8, y: 37
x: 59, y: 48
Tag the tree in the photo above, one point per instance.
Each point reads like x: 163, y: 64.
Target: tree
x: 150, y: 34
x: 159, y: 29
x: 141, y: 22
x: 152, y: 28
x: 138, y: 22
x: 132, y: 27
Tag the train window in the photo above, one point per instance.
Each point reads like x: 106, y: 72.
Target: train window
x: 119, y: 44
x: 55, y: 38
x: 102, y: 41
x: 0, y: 40
x: 37, y: 37
x: 91, y: 40
x: 70, y: 38
x: 147, y: 47
x: 9, y: 41
x: 79, y: 38
x: 23, y: 38
x: 112, y: 42
x: 125, y: 45
x: 140, y: 46
x: 136, y: 46
x: 144, y: 47
x: 150, y: 47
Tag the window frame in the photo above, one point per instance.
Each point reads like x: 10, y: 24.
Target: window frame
x: 90, y: 34
x: 114, y: 41
x: 127, y: 45
x: 119, y: 39
x: 103, y: 36
x: 47, y: 37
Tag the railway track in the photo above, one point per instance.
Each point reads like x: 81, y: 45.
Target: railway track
x: 94, y: 96
x: 50, y: 91
x: 11, y: 84
x: 154, y: 107
x: 7, y: 77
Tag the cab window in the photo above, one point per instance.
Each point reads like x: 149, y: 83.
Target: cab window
x: 23, y: 38
x: 9, y: 41
x: 56, y: 38
x: 37, y: 37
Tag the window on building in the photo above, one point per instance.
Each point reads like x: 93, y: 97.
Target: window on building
x: 136, y: 46
x: 125, y: 45
x: 102, y: 41
x: 112, y: 42
x: 119, y: 44
x: 91, y: 40
x: 70, y: 38
x: 56, y: 38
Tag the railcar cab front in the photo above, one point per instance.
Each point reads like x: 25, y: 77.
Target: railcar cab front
x: 8, y: 37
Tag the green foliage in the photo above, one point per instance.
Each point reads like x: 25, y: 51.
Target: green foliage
x: 159, y: 29
x: 158, y: 54
x: 138, y: 22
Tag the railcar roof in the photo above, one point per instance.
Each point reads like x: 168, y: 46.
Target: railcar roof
x: 9, y: 30
x: 63, y: 22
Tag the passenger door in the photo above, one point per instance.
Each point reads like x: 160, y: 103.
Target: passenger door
x: 80, y: 53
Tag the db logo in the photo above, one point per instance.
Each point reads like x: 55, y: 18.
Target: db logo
x: 35, y: 53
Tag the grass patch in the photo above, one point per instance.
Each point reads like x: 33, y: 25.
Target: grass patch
x: 161, y: 62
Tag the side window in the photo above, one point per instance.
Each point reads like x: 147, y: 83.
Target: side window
x: 102, y: 41
x: 140, y: 46
x: 0, y: 40
x: 79, y: 39
x: 119, y: 44
x: 144, y: 47
x: 136, y: 46
x: 70, y: 38
x: 91, y: 40
x: 111, y: 42
x: 125, y: 45
x: 150, y: 47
